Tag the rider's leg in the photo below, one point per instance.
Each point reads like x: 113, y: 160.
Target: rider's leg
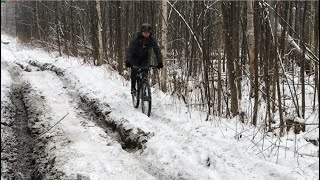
x: 133, y: 81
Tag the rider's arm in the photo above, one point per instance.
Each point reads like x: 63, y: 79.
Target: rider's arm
x: 131, y: 49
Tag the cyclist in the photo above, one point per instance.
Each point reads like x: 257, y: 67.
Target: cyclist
x: 139, y: 52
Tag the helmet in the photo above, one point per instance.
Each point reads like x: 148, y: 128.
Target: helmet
x: 146, y: 27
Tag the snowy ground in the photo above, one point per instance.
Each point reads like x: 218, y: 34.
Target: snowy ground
x: 85, y: 122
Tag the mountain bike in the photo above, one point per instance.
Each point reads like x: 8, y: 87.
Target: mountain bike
x: 143, y: 92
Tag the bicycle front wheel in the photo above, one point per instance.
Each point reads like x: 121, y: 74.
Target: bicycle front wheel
x: 135, y: 99
x: 146, y: 100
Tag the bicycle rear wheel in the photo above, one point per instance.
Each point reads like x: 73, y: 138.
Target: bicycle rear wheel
x: 146, y: 100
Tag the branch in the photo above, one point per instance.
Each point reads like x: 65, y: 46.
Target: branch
x: 291, y: 41
x: 52, y: 126
x: 194, y: 36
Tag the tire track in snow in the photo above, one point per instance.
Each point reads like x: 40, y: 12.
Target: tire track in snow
x: 24, y: 156
x: 130, y: 138
x: 65, y: 134
x: 98, y: 111
x: 148, y: 165
x: 156, y: 170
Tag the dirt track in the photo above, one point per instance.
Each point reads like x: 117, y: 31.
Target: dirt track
x: 22, y: 154
x: 29, y: 159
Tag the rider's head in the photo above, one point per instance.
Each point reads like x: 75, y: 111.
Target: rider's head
x: 146, y: 29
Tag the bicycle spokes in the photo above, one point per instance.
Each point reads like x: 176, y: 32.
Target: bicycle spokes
x: 146, y: 100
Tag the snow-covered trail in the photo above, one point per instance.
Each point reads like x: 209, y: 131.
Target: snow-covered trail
x: 180, y: 146
x: 78, y: 147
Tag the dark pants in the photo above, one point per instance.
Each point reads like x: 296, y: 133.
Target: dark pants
x: 133, y: 79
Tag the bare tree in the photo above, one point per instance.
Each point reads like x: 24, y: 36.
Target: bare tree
x: 99, y: 24
x: 203, y: 68
x: 302, y: 71
x: 164, y: 44
x: 220, y: 44
x: 250, y: 38
x: 315, y: 46
x: 119, y: 38
x: 256, y: 61
x: 229, y: 47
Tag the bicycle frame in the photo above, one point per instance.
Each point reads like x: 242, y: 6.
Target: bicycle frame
x: 142, y: 80
x: 143, y: 89
x: 143, y: 75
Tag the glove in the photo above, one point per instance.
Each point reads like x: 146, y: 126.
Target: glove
x: 128, y: 64
x: 160, y: 65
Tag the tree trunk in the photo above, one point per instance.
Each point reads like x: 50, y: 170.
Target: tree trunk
x: 164, y: 45
x: 66, y: 34
x: 74, y: 31
x: 315, y: 45
x: 37, y: 21
x: 205, y: 62
x: 220, y: 44
x: 256, y: 62
x: 227, y: 20
x: 119, y: 38
x: 101, y: 50
x: 250, y: 38
x: 236, y: 39
x: 57, y: 21
x: 266, y: 68
x: 302, y: 71
x: 274, y: 22
x: 111, y: 32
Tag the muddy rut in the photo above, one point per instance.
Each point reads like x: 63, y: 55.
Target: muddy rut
x: 33, y: 161
x: 23, y: 153
x: 130, y: 137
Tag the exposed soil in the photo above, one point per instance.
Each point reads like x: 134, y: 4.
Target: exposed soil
x: 23, y: 153
x: 131, y: 139
x: 28, y: 158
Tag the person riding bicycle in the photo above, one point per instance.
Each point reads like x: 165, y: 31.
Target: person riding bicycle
x: 139, y: 52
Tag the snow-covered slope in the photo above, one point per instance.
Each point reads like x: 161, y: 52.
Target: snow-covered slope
x: 180, y: 144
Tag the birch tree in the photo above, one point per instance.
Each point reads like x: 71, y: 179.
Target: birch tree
x: 101, y: 49
x: 315, y: 46
x: 164, y: 45
x: 250, y: 41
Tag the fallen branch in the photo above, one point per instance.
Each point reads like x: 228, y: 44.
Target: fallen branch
x: 52, y: 126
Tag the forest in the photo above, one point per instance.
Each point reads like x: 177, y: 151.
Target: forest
x: 254, y: 60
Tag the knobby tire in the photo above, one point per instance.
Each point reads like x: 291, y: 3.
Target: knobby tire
x: 136, y: 99
x: 146, y: 100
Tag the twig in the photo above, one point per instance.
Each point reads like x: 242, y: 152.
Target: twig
x: 305, y: 154
x: 313, y: 163
x: 220, y: 128
x: 285, y: 150
x: 261, y: 152
x: 293, y: 172
x: 273, y: 144
x: 278, y: 151
x: 52, y: 126
x: 309, y: 124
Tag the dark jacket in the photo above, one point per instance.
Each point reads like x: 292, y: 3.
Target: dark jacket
x: 139, y: 50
